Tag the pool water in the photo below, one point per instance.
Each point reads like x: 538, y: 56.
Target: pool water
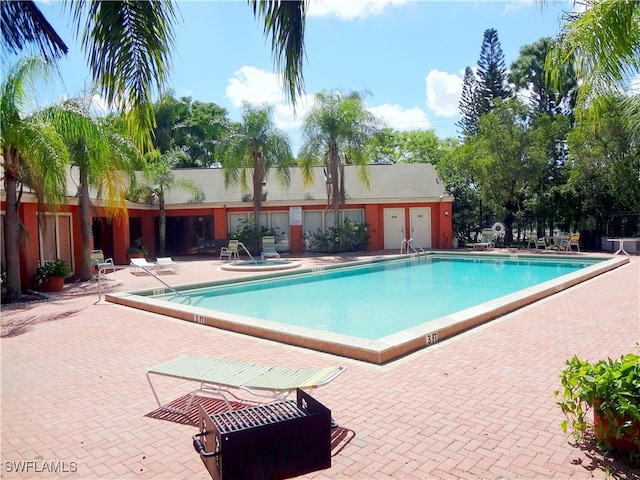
x: 379, y: 299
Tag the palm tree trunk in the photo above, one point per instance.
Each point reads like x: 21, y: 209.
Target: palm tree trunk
x: 12, y: 230
x: 334, y: 160
x: 162, y: 224
x: 257, y: 188
x: 85, y: 227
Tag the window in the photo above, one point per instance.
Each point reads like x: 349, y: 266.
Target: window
x: 55, y: 238
x: 314, y: 220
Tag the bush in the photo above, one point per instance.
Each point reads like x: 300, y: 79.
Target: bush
x: 251, y: 237
x: 57, y: 268
x: 348, y: 237
x: 138, y: 247
x: 611, y: 388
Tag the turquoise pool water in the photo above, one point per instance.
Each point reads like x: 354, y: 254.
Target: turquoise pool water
x: 375, y: 300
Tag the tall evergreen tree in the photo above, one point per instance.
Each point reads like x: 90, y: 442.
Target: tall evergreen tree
x: 492, y: 73
x: 468, y: 104
x: 528, y: 72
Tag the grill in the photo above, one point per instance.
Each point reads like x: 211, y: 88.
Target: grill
x: 274, y: 441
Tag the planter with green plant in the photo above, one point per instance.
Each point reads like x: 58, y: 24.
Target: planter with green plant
x: 611, y: 388
x: 137, y: 249
x: 50, y: 276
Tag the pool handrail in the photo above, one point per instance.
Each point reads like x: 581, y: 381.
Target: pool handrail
x: 240, y: 244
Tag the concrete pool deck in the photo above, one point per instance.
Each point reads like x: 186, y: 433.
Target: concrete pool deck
x: 479, y: 405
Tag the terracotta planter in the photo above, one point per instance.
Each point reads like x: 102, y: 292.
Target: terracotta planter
x: 622, y: 444
x: 53, y: 284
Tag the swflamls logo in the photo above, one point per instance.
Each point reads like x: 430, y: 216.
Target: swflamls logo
x: 40, y: 466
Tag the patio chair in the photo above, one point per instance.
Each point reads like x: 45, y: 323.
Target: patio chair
x: 573, y: 240
x: 167, y: 263
x: 138, y: 264
x: 231, y: 250
x: 217, y: 376
x: 541, y: 243
x: 487, y: 240
x: 269, y: 247
x: 100, y: 263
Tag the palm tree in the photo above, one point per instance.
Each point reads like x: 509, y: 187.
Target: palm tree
x: 128, y: 45
x: 603, y: 44
x: 105, y: 161
x: 256, y: 145
x: 160, y: 180
x: 335, y: 132
x: 33, y: 154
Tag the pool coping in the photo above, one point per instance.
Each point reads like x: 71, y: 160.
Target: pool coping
x: 378, y: 351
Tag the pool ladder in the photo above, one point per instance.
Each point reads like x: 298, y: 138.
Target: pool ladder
x: 405, y: 245
x: 188, y: 299
x: 240, y: 244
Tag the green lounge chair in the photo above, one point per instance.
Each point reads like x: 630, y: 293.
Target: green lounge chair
x: 218, y: 375
x: 269, y: 247
x: 166, y: 263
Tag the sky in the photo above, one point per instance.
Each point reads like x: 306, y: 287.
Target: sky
x: 408, y: 56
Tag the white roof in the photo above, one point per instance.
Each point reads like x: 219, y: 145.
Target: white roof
x: 388, y: 183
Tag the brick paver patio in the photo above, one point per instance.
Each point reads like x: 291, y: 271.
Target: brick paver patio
x: 75, y: 398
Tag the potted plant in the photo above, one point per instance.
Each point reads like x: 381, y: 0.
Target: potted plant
x: 611, y: 388
x: 137, y: 249
x: 50, y: 276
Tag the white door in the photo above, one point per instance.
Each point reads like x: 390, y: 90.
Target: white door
x: 393, y: 228
x: 421, y: 227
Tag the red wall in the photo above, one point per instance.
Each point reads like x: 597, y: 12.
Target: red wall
x: 441, y: 229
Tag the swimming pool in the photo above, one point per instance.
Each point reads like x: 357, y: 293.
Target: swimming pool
x: 375, y: 310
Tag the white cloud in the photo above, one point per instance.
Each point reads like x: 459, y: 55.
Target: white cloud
x: 518, y: 4
x: 400, y: 118
x: 287, y: 118
x: 99, y: 105
x: 350, y: 9
x: 443, y: 93
x: 253, y: 85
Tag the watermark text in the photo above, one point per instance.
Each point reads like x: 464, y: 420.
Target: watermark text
x: 40, y: 466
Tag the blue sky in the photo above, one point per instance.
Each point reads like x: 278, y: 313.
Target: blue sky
x: 409, y: 55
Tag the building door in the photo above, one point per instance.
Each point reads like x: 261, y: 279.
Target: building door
x: 421, y: 227
x: 393, y: 228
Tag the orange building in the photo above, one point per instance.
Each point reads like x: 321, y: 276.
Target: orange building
x: 402, y: 201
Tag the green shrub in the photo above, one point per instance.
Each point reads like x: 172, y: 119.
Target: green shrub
x: 611, y: 387
x: 56, y: 268
x: 251, y: 236
x: 348, y: 237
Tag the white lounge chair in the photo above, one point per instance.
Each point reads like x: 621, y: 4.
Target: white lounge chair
x: 138, y: 264
x: 218, y: 375
x: 167, y: 263
x: 269, y: 247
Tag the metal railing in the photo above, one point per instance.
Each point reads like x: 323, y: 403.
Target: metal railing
x: 405, y: 245
x: 102, y: 270
x: 240, y: 244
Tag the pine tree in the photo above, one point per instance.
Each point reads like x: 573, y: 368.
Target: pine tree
x: 492, y: 73
x: 468, y: 104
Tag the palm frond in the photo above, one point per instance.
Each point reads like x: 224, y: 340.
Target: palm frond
x: 284, y: 20
x: 23, y: 25
x: 128, y: 47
